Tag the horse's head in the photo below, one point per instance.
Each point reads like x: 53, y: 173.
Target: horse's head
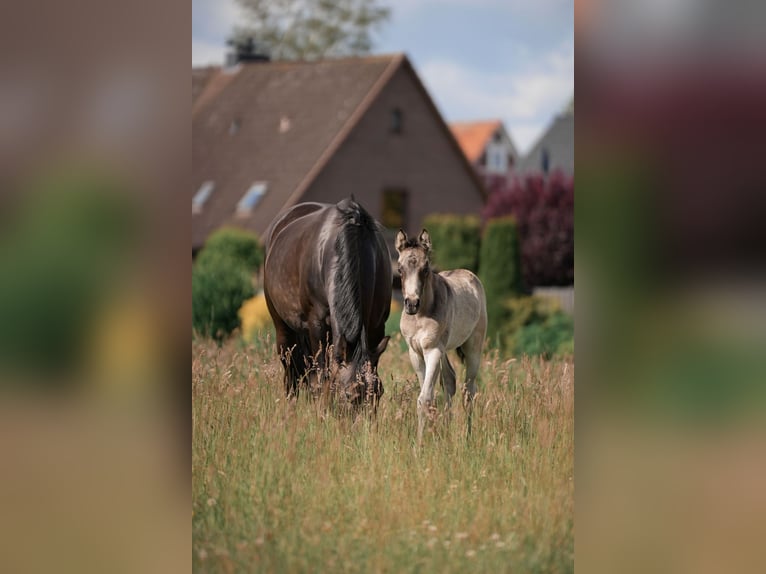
x: 414, y: 267
x: 358, y: 377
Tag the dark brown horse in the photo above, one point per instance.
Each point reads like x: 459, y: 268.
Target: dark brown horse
x: 327, y: 279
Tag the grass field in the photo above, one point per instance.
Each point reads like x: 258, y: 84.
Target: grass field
x: 296, y: 487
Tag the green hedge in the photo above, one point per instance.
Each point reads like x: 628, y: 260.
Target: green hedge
x: 499, y: 269
x: 554, y: 336
x: 235, y: 243
x: 537, y: 326
x: 220, y: 284
x: 456, y: 240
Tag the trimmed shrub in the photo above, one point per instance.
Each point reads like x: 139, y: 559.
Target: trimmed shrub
x: 554, y: 336
x: 537, y: 326
x: 235, y: 243
x: 219, y: 287
x: 456, y: 240
x: 499, y: 269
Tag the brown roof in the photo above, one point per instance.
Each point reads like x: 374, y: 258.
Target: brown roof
x: 200, y: 77
x: 274, y: 122
x: 474, y: 136
x: 280, y: 123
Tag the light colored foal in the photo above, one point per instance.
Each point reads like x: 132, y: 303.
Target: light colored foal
x: 442, y: 311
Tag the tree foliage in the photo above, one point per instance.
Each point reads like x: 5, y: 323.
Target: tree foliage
x: 312, y: 29
x: 544, y: 211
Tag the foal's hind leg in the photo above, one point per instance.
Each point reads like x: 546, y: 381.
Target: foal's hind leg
x: 471, y: 351
x: 449, y: 381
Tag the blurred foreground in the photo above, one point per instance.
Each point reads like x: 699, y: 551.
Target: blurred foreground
x: 671, y: 313
x: 94, y: 288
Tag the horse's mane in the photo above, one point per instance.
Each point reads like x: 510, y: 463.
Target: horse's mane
x: 357, y: 227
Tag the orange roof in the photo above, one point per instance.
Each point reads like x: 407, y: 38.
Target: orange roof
x: 473, y: 136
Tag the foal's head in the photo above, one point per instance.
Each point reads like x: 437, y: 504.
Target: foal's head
x: 414, y: 268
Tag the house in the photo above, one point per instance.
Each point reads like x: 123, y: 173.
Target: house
x: 554, y: 150
x: 268, y: 135
x: 488, y: 148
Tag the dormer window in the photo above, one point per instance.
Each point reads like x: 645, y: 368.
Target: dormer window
x: 251, y: 198
x: 397, y: 121
x: 545, y: 160
x: 202, y: 195
x: 497, y: 158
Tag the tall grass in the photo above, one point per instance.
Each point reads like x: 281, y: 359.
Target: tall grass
x: 293, y: 487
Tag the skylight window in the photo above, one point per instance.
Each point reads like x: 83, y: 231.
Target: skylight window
x: 202, y: 195
x: 251, y: 198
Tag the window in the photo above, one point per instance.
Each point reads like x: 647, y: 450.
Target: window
x: 251, y: 198
x: 545, y: 160
x: 394, y: 208
x: 497, y: 158
x: 397, y: 121
x: 202, y: 195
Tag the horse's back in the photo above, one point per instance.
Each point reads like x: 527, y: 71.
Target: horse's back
x: 286, y: 217
x: 469, y: 304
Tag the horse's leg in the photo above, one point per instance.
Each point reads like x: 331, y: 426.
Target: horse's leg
x: 318, y: 341
x: 287, y: 345
x: 449, y: 381
x: 419, y: 364
x: 471, y: 350
x: 433, y: 359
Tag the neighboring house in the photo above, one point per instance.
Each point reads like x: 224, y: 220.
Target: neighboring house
x: 268, y: 135
x: 555, y: 148
x: 488, y: 148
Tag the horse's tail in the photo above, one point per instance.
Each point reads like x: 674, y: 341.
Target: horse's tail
x: 357, y: 226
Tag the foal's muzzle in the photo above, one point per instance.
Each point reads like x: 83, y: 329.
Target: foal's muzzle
x: 411, y: 306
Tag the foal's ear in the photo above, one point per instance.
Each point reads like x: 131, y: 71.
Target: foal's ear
x: 401, y: 240
x: 425, y: 240
x: 382, y: 346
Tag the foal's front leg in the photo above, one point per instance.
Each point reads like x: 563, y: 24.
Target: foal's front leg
x: 425, y: 400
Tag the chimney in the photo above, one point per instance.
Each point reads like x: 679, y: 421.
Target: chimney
x: 246, y: 50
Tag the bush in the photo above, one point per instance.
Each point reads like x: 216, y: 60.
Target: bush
x: 499, y: 269
x: 456, y: 240
x: 544, y: 210
x: 65, y: 242
x: 537, y: 326
x: 219, y: 287
x: 235, y: 243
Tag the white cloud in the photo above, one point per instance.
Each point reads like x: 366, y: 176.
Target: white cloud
x: 216, y: 17
x: 518, y: 7
x: 207, y: 53
x: 525, y: 100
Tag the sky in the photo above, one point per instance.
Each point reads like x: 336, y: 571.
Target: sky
x: 479, y: 59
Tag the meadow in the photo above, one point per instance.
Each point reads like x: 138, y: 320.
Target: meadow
x: 297, y: 486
